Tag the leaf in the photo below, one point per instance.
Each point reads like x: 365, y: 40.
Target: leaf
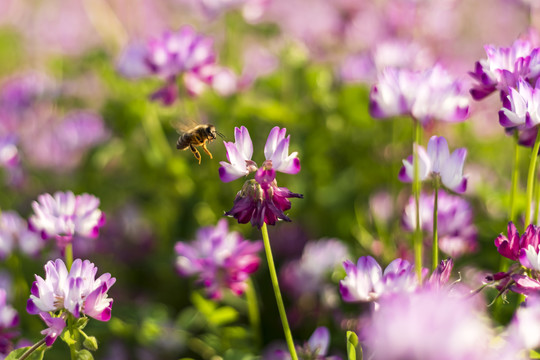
x: 534, y: 354
x: 36, y: 355
x: 68, y: 339
x: 84, y: 355
x: 205, y: 306
x: 352, y: 343
x: 222, y: 316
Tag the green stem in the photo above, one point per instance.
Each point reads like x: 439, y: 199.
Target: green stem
x: 160, y: 149
x: 530, y: 180
x: 435, y: 221
x: 29, y: 352
x: 536, y: 203
x: 68, y: 252
x: 277, y: 292
x: 253, y: 311
x: 74, y: 334
x: 515, y: 179
x: 417, y: 242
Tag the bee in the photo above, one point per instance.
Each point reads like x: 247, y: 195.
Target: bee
x: 197, y: 136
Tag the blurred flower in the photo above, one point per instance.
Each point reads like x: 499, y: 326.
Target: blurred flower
x: 426, y: 96
x: 14, y: 232
x: 221, y: 259
x: 177, y: 54
x: 19, y: 92
x: 252, y: 10
x: 55, y: 327
x: 316, y: 348
x: 394, y: 53
x: 524, y: 330
x: 60, y: 145
x: 457, y: 233
x: 427, y: 325
x: 438, y: 162
x: 504, y: 67
x: 366, y: 281
x: 521, y: 108
x: 66, y: 215
x: 261, y: 200
x: 441, y: 274
x: 9, y: 319
x: 77, y: 291
x: 307, y: 275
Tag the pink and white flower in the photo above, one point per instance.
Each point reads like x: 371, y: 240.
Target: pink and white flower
x: 76, y: 291
x: 522, y: 106
x: 65, y: 215
x: 437, y: 162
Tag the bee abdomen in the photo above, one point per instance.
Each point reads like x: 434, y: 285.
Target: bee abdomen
x: 182, y: 143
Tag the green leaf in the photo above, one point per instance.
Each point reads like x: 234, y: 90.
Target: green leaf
x: 36, y: 355
x: 205, y: 306
x: 68, y: 339
x: 352, y: 343
x: 84, y: 355
x: 90, y: 343
x: 222, y: 316
x: 534, y: 354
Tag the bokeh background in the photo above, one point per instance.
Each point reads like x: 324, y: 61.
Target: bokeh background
x: 306, y: 65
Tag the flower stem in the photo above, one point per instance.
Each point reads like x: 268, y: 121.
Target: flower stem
x: 68, y: 252
x: 253, y: 311
x: 417, y: 242
x: 515, y: 179
x: 34, y: 347
x: 277, y: 292
x: 530, y: 180
x: 435, y: 221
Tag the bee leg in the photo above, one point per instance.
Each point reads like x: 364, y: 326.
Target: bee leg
x: 206, y: 150
x: 196, y: 153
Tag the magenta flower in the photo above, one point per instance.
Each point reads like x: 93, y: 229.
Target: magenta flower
x: 504, y: 67
x: 66, y: 215
x: 521, y: 109
x: 315, y: 348
x: 55, y: 327
x: 76, y: 292
x: 221, y: 259
x: 427, y: 325
x: 366, y: 281
x: 438, y: 162
x: 261, y: 200
x: 178, y: 54
x: 515, y: 247
x: 426, y: 96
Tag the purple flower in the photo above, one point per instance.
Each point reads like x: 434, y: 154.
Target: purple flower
x: 504, y: 67
x: 426, y: 96
x: 8, y: 315
x: 77, y: 291
x: 55, y: 327
x: 66, y: 215
x: 515, y: 247
x: 20, y: 92
x: 14, y: 231
x: 366, y: 281
x: 438, y: 162
x: 524, y: 330
x: 315, y: 348
x: 427, y: 325
x: 521, y: 109
x: 175, y: 54
x: 221, y: 259
x: 260, y: 200
x: 457, y: 233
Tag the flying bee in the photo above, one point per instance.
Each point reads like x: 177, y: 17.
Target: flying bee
x: 197, y: 136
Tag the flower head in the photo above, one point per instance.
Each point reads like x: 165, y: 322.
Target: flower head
x: 504, y: 67
x: 521, y: 108
x: 55, y: 327
x: 221, y: 259
x: 438, y: 162
x: 427, y: 325
x: 366, y: 281
x: 261, y: 200
x: 65, y: 215
x: 14, y: 232
x: 76, y: 291
x: 426, y: 96
x: 515, y: 247
x: 457, y: 233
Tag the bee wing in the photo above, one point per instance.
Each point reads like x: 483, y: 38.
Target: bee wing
x: 184, y: 125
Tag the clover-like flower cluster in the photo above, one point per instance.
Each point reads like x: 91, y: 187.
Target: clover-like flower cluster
x: 221, y: 259
x: 77, y: 292
x: 260, y: 200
